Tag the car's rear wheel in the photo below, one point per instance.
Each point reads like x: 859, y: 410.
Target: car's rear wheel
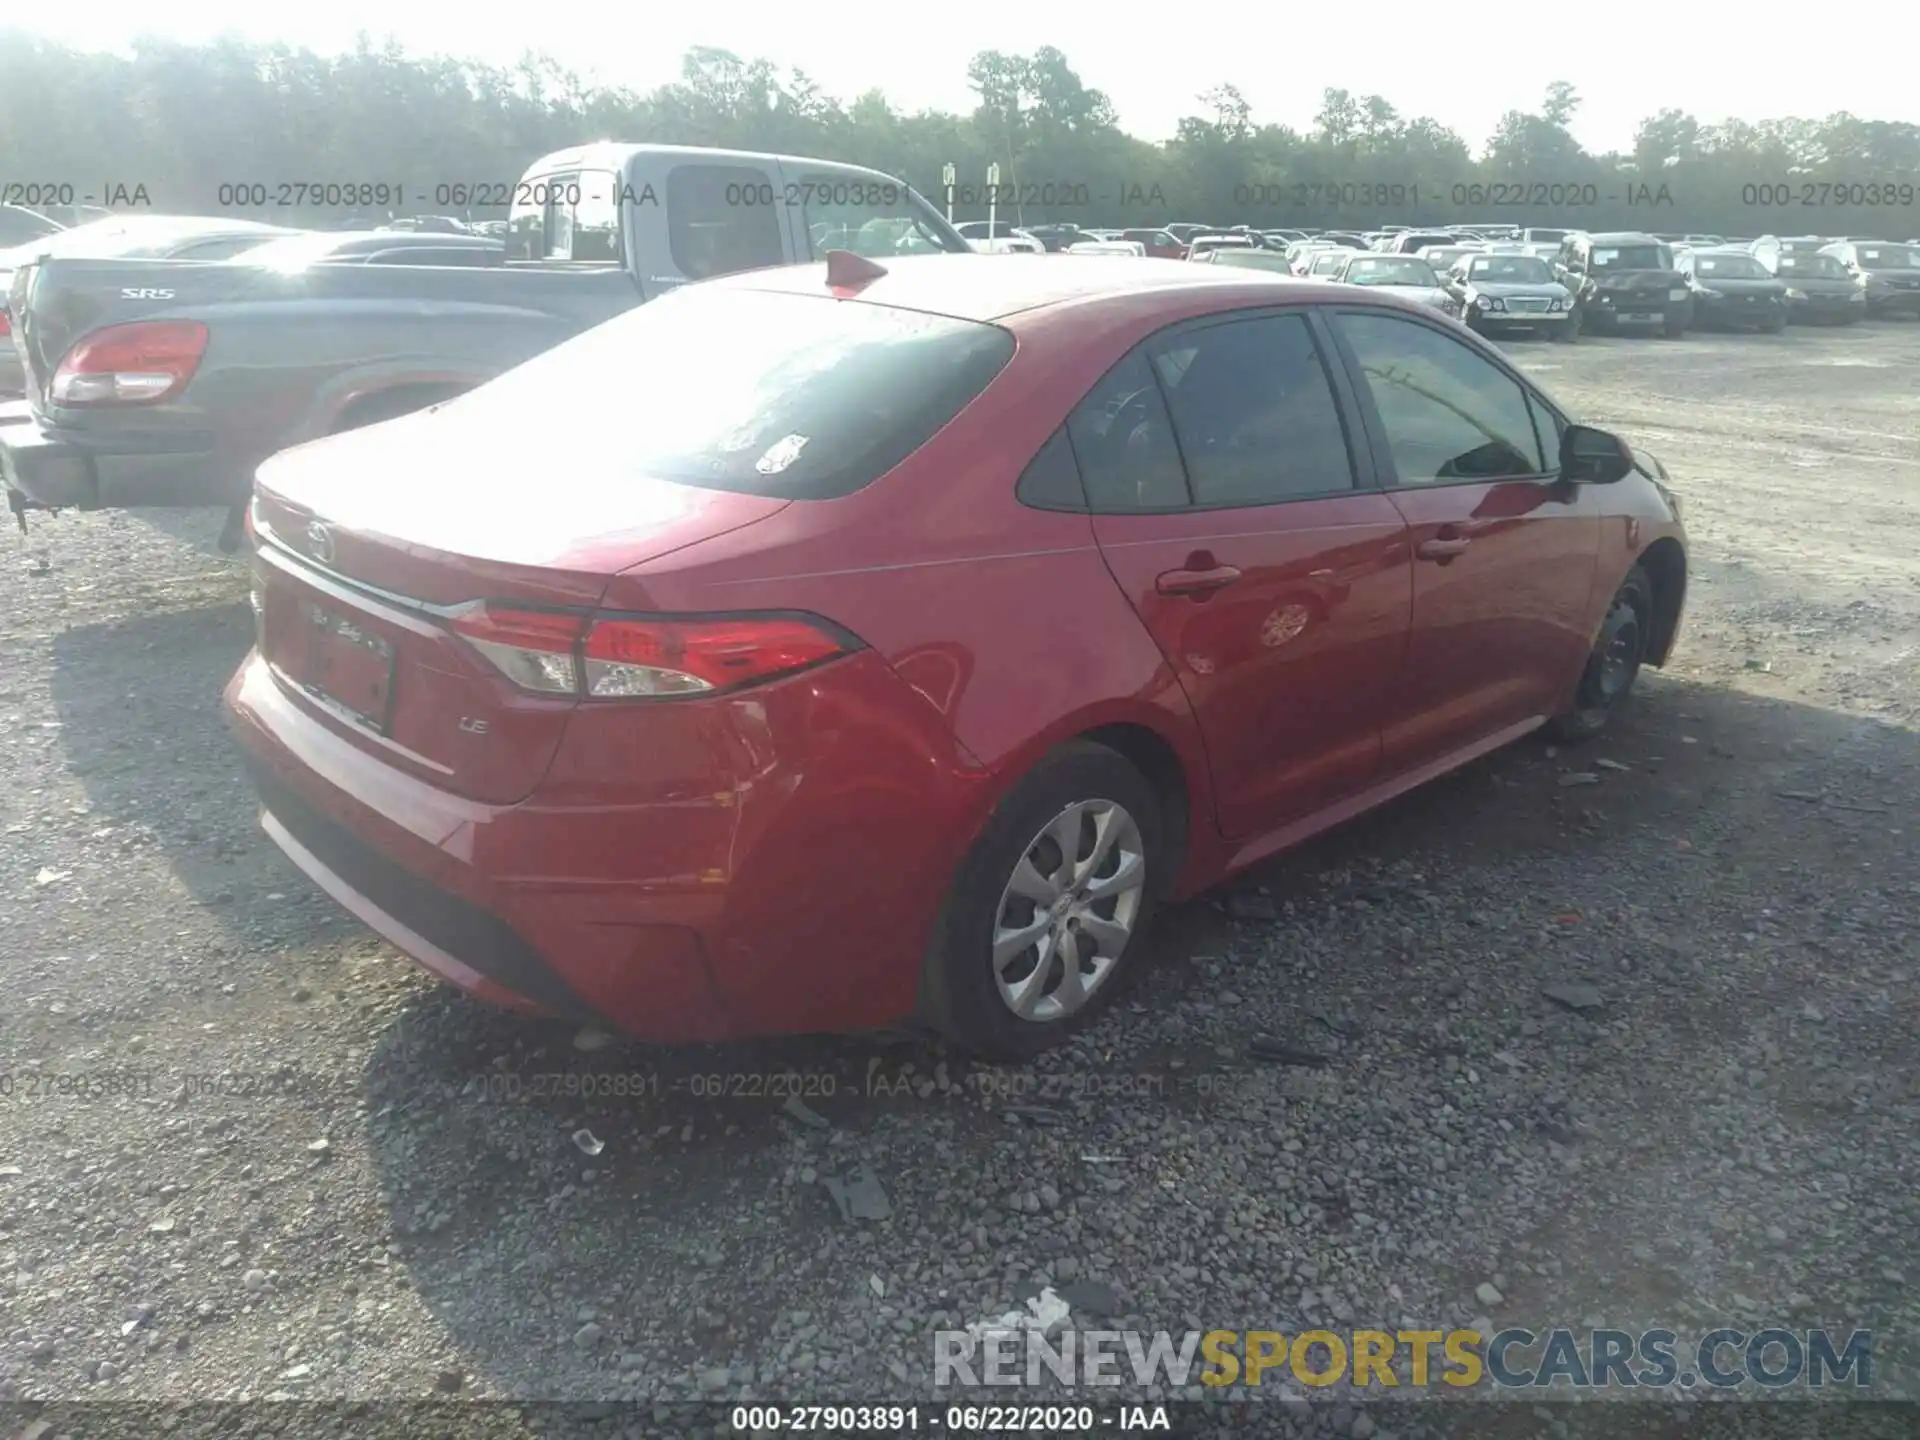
x: 1674, y: 329
x: 1614, y: 662
x: 1045, y: 917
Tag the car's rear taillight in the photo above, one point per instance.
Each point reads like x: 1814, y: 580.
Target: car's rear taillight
x: 6, y: 321
x: 612, y: 657
x: 135, y: 364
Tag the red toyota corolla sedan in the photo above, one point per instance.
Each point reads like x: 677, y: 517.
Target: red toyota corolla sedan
x: 836, y: 646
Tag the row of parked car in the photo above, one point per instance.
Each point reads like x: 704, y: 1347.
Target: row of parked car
x: 1552, y: 281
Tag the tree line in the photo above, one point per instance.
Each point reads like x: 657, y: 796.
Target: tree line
x: 194, y: 126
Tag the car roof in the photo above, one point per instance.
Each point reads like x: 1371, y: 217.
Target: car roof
x: 1623, y: 237
x: 987, y: 288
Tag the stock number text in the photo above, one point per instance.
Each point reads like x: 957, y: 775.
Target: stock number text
x: 1812, y: 193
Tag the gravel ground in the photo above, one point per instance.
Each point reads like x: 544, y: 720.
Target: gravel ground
x: 376, y: 1204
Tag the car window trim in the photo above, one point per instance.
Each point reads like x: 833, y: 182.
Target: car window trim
x: 1377, y: 430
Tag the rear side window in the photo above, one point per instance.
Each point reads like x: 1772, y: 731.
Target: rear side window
x: 1051, y: 480
x: 722, y: 219
x: 1254, y: 412
x: 1123, y: 439
x: 797, y: 397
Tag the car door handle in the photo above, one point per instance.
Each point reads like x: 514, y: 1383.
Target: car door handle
x: 1442, y: 549
x: 1196, y: 582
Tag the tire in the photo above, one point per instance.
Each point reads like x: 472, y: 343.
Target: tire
x: 1568, y: 333
x: 1613, y: 664
x: 970, y: 1001
x: 1674, y: 329
x: 1776, y: 327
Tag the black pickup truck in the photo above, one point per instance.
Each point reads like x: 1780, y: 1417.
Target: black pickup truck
x: 152, y: 383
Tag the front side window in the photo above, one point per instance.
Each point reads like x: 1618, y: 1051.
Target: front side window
x: 722, y: 219
x: 1450, y: 415
x: 1254, y: 412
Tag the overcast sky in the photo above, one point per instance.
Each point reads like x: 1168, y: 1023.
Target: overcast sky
x: 1463, y: 66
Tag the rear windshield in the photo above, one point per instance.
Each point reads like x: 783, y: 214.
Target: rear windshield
x: 1887, y: 257
x: 797, y: 397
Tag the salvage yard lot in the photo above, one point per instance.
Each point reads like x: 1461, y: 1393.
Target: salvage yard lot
x: 332, y: 1177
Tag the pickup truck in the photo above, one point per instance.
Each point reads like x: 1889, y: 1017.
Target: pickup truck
x: 153, y: 383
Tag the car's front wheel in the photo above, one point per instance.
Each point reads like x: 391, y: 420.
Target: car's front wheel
x: 1045, y: 917
x: 1614, y: 662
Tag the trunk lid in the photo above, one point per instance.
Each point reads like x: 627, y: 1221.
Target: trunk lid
x: 368, y: 539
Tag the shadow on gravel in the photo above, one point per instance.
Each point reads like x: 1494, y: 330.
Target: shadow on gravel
x: 139, y: 708
x: 671, y: 1194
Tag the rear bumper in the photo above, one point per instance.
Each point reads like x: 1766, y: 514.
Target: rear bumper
x: 808, y: 911
x: 53, y: 469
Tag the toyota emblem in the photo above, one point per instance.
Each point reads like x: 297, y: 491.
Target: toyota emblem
x: 320, y: 541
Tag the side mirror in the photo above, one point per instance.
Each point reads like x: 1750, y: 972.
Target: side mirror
x: 1593, y: 457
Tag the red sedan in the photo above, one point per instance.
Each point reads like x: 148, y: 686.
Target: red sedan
x: 835, y: 646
